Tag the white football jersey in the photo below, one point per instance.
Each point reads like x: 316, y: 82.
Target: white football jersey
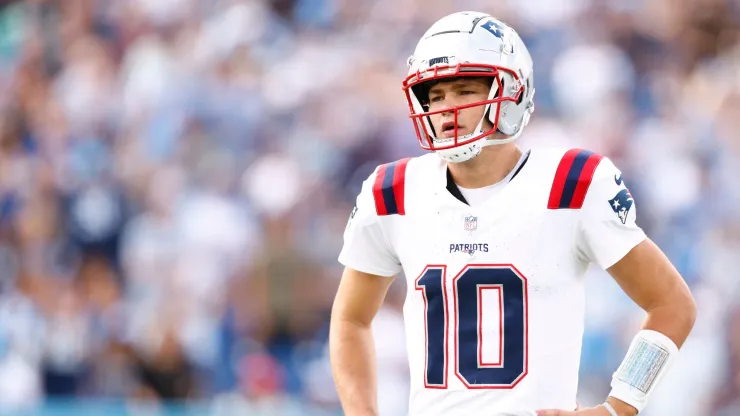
x: 494, y: 312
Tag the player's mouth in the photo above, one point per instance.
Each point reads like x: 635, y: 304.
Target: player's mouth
x: 448, y: 129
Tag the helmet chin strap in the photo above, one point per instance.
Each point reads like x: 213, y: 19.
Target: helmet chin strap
x: 496, y: 142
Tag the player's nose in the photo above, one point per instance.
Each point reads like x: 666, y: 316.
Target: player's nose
x: 448, y: 109
x: 444, y: 106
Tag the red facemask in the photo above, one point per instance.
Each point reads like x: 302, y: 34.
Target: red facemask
x: 423, y: 125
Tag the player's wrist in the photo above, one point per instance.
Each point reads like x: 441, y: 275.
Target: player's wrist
x: 622, y: 408
x: 648, y: 358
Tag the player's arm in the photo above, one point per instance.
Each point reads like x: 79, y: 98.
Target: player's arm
x: 610, y: 237
x: 352, y: 352
x: 370, y: 263
x: 651, y: 281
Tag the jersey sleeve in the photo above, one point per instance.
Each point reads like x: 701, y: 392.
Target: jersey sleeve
x: 607, y: 228
x: 366, y: 245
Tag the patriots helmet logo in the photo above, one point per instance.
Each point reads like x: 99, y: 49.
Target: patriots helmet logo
x: 621, y: 204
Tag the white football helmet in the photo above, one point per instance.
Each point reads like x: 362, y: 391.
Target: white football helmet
x: 477, y: 45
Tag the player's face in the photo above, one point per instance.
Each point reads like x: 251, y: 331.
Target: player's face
x: 456, y: 93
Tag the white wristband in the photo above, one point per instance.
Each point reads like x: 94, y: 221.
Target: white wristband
x: 649, y: 357
x: 609, y: 408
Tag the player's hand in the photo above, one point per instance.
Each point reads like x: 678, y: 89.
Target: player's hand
x: 622, y: 409
x: 591, y: 411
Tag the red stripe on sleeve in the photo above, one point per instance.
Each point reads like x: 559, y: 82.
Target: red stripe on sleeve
x: 561, y: 174
x: 584, y: 180
x: 378, y: 191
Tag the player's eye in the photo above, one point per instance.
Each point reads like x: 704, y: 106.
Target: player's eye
x: 435, y: 99
x: 466, y: 92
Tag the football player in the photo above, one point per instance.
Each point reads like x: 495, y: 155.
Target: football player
x: 494, y: 242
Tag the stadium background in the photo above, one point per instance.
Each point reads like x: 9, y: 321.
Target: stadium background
x: 176, y: 175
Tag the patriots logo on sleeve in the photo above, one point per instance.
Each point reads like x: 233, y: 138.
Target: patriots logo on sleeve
x: 351, y: 215
x: 621, y: 204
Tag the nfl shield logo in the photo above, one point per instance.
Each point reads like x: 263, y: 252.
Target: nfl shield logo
x: 471, y: 223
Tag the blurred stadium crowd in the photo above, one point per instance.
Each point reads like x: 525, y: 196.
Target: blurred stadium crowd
x: 176, y: 175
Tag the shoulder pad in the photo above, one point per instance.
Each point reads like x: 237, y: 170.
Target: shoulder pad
x: 573, y: 178
x: 388, y: 188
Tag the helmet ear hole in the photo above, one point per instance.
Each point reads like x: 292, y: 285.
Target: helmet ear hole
x: 524, y: 91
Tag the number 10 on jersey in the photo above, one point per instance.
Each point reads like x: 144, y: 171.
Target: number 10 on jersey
x: 503, y: 281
